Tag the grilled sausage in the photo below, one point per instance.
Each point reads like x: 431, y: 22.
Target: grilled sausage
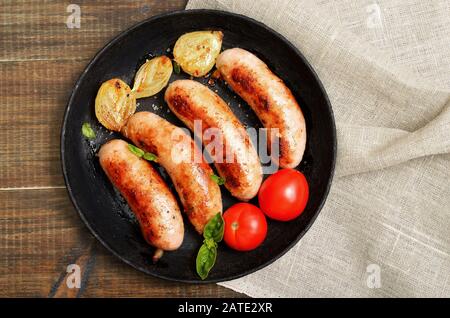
x: 150, y: 199
x: 235, y: 158
x: 269, y: 98
x: 183, y: 161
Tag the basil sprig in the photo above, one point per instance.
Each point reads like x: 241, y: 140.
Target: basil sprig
x: 142, y: 154
x: 206, y: 258
x: 217, y: 179
x: 176, y: 67
x: 150, y: 156
x: 87, y: 131
x: 214, y: 229
x: 207, y: 254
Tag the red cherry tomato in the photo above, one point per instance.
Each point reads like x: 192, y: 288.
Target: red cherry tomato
x: 245, y: 227
x: 283, y: 195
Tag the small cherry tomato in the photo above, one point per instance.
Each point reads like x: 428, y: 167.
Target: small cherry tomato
x: 245, y: 227
x: 283, y: 195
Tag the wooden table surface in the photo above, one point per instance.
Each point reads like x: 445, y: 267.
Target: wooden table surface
x: 40, y: 231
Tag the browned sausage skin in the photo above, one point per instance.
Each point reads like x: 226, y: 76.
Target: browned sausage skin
x: 236, y: 159
x: 148, y: 196
x: 270, y: 99
x: 183, y: 161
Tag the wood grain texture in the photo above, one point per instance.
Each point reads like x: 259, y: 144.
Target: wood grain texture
x: 40, y: 232
x: 33, y: 100
x: 36, y: 30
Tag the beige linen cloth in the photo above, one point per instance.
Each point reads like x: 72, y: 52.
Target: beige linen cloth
x: 386, y: 68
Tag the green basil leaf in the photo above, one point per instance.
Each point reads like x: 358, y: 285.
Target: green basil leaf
x: 217, y: 179
x: 206, y: 258
x: 210, y: 243
x: 214, y: 228
x: 87, y: 131
x: 176, y: 67
x: 135, y: 150
x: 150, y: 156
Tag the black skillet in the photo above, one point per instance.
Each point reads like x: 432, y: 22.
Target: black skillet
x: 105, y: 212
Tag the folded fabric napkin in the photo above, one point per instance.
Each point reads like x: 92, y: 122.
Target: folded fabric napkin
x: 385, y: 229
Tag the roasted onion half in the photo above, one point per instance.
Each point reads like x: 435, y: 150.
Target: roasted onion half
x: 114, y: 104
x: 152, y: 76
x: 196, y: 52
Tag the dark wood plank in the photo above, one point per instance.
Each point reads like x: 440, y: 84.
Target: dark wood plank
x: 33, y: 100
x: 37, y: 30
x: 41, y: 234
